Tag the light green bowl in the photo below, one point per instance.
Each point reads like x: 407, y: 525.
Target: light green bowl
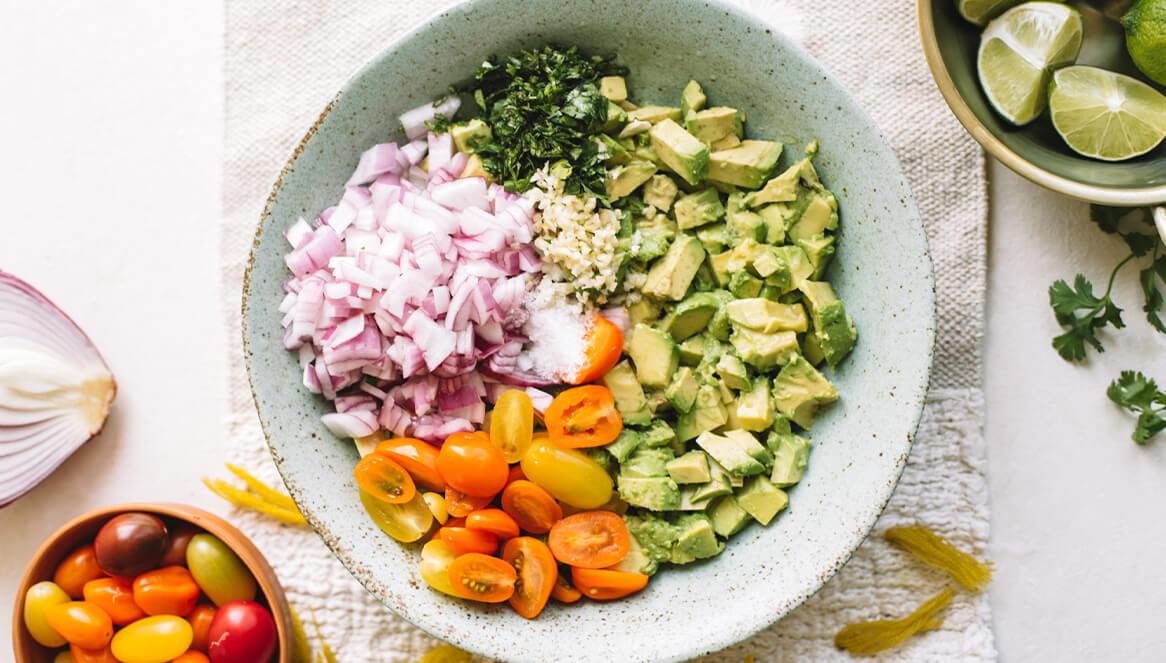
x: 1036, y: 151
x: 882, y: 271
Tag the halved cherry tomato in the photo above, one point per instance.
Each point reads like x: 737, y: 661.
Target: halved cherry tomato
x: 102, y: 655
x: 494, y: 521
x: 563, y: 592
x: 459, y: 505
x: 436, y: 557
x: 168, y: 591
x: 516, y: 474
x: 200, y: 620
x: 82, y: 624
x: 470, y: 463
x: 512, y: 424
x: 482, y: 578
x: 77, y: 569
x: 531, y: 507
x: 436, y: 504
x: 605, y: 584
x: 419, y: 458
x: 537, y: 573
x: 381, y: 477
x: 592, y: 540
x: 583, y: 417
x: 604, y: 344
x: 116, y: 597
x: 464, y: 540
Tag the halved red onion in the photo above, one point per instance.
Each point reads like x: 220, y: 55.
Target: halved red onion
x: 55, y: 389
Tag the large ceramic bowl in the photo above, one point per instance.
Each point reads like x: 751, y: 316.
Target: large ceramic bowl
x: 1036, y: 151
x: 882, y: 271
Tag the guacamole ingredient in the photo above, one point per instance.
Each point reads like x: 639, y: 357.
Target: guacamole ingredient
x: 78, y: 568
x: 471, y: 464
x: 38, y: 600
x: 483, y: 578
x: 417, y: 457
x: 607, y: 584
x: 115, y: 596
x: 872, y: 637
x: 1145, y: 25
x: 242, y: 632
x: 531, y: 506
x: 537, y: 573
x: 81, y: 624
x: 604, y: 345
x: 936, y: 552
x: 569, y: 475
x: 55, y: 389
x: 982, y: 11
x: 512, y: 424
x: 583, y: 417
x: 1139, y: 394
x: 1104, y: 115
x: 556, y: 327
x: 381, y: 477
x: 129, y: 544
x: 592, y: 540
x: 157, y: 638
x: 170, y: 590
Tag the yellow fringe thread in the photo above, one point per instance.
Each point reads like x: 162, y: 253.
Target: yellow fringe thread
x: 936, y: 552
x: 257, y: 497
x: 865, y: 638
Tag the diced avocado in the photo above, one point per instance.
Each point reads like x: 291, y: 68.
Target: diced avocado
x: 718, y: 485
x: 707, y: 414
x: 624, y: 445
x: 799, y: 264
x: 781, y: 425
x: 791, y: 454
x: 654, y: 534
x: 614, y: 88
x: 658, y: 435
x: 720, y: 327
x: 754, y: 406
x: 692, y: 467
x: 761, y: 499
x: 725, y: 143
x: 682, y: 152
x: 727, y: 516
x: 660, y: 192
x: 628, y: 394
x: 474, y: 168
x: 691, y: 350
x: 655, y: 114
x: 819, y: 249
x: 681, y: 393
x: 735, y: 259
x: 469, y: 136
x: 741, y: 223
x: 799, y: 390
x: 732, y: 371
x: 645, y: 463
x: 747, y: 165
x: 617, y: 120
x: 654, y: 241
x: 762, y: 315
x: 627, y: 105
x: 820, y: 215
x: 744, y: 285
x: 812, y: 350
x: 637, y: 560
x: 671, y: 275
x: 654, y: 355
x: 634, y: 128
x: 692, y: 98
x: 705, y: 280
x: 764, y: 351
x: 713, y: 124
x: 697, y: 538
x: 774, y: 218
x: 613, y: 152
x: 832, y: 326
x: 689, y: 501
x: 697, y: 209
x: 713, y: 237
x: 622, y: 180
x: 691, y: 316
x: 654, y: 494
x: 601, y: 457
x: 782, y: 188
x: 770, y: 261
x: 643, y: 310
x: 658, y: 402
x: 737, y: 451
x: 770, y: 292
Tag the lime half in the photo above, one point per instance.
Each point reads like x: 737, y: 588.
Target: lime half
x: 1105, y: 115
x: 1020, y: 49
x: 982, y: 11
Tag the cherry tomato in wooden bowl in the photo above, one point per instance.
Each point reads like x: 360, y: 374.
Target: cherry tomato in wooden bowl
x: 77, y: 569
x: 242, y: 632
x: 130, y: 544
x: 170, y: 590
x: 116, y: 597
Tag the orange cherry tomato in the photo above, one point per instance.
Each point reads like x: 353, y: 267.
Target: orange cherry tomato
x: 592, y: 540
x: 459, y: 505
x: 419, y: 458
x: 471, y: 464
x: 583, y: 417
x: 603, y: 346
x: 537, y: 573
x: 606, y: 584
x: 102, y: 655
x: 82, y: 624
x: 116, y: 597
x: 192, y: 656
x: 382, y: 478
x: 516, y: 474
x: 563, y: 592
x: 531, y: 507
x: 77, y: 569
x: 464, y: 540
x: 200, y: 621
x: 168, y: 591
x: 495, y: 521
x: 482, y: 578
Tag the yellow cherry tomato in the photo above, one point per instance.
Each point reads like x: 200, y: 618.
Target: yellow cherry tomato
x: 153, y: 640
x: 37, y: 601
x: 404, y: 522
x: 570, y: 476
x: 436, y: 556
x: 512, y: 424
x: 436, y: 504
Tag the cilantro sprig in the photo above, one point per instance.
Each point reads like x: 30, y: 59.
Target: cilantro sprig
x: 1139, y: 394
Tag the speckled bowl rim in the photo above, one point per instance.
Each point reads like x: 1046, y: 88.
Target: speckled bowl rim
x: 698, y: 646
x: 1093, y: 193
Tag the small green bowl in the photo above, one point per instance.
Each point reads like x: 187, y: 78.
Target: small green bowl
x: 1036, y: 151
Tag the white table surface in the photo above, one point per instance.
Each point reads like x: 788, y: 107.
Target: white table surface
x: 111, y: 169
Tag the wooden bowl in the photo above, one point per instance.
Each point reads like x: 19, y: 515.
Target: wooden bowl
x: 82, y: 529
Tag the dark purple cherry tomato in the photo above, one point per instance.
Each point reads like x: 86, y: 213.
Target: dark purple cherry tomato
x: 130, y: 544
x: 175, y: 554
x: 242, y: 632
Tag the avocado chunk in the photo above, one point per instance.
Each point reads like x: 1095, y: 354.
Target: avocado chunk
x: 761, y: 499
x: 689, y: 501
x: 654, y: 355
x: 748, y: 165
x: 713, y: 237
x: 799, y: 264
x: 660, y: 192
x: 628, y: 394
x: 469, y: 136
x: 743, y: 224
x: 615, y: 88
x: 637, y: 560
x: 691, y: 350
x: 718, y: 485
x: 735, y: 259
x: 819, y: 249
x: 697, y: 538
x: 770, y: 262
x: 833, y: 328
x: 781, y: 189
x: 682, y: 152
x: 764, y: 351
x: 652, y: 493
x: 791, y: 454
x: 654, y: 240
x: 765, y: 316
x: 799, y: 390
x: 732, y: 371
x: 707, y: 414
x: 645, y: 463
x: 720, y: 326
x: 613, y: 152
x: 624, y: 445
x: 728, y: 517
x: 697, y: 209
x: 617, y: 119
x: 713, y: 124
x: 655, y: 114
x: 744, y: 285
x: 725, y: 143
x: 754, y: 406
x: 820, y: 215
x: 692, y: 467
x: 681, y: 392
x: 654, y: 534
x: 643, y: 310
x: 812, y: 350
x: 776, y: 222
x: 737, y: 451
x: 622, y: 180
x: 691, y: 316
x: 692, y: 98
x: 635, y: 128
x: 671, y: 275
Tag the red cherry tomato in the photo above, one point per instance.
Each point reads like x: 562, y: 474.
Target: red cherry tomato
x: 116, y: 597
x: 168, y: 591
x: 242, y: 632
x: 604, y: 344
x: 471, y: 464
x: 77, y: 569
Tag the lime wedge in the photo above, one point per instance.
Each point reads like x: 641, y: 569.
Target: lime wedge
x: 1105, y: 115
x: 1018, y: 52
x: 982, y: 11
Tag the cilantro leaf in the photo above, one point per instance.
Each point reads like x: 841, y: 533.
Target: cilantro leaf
x: 1082, y: 313
x: 1107, y: 218
x: 1138, y: 393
